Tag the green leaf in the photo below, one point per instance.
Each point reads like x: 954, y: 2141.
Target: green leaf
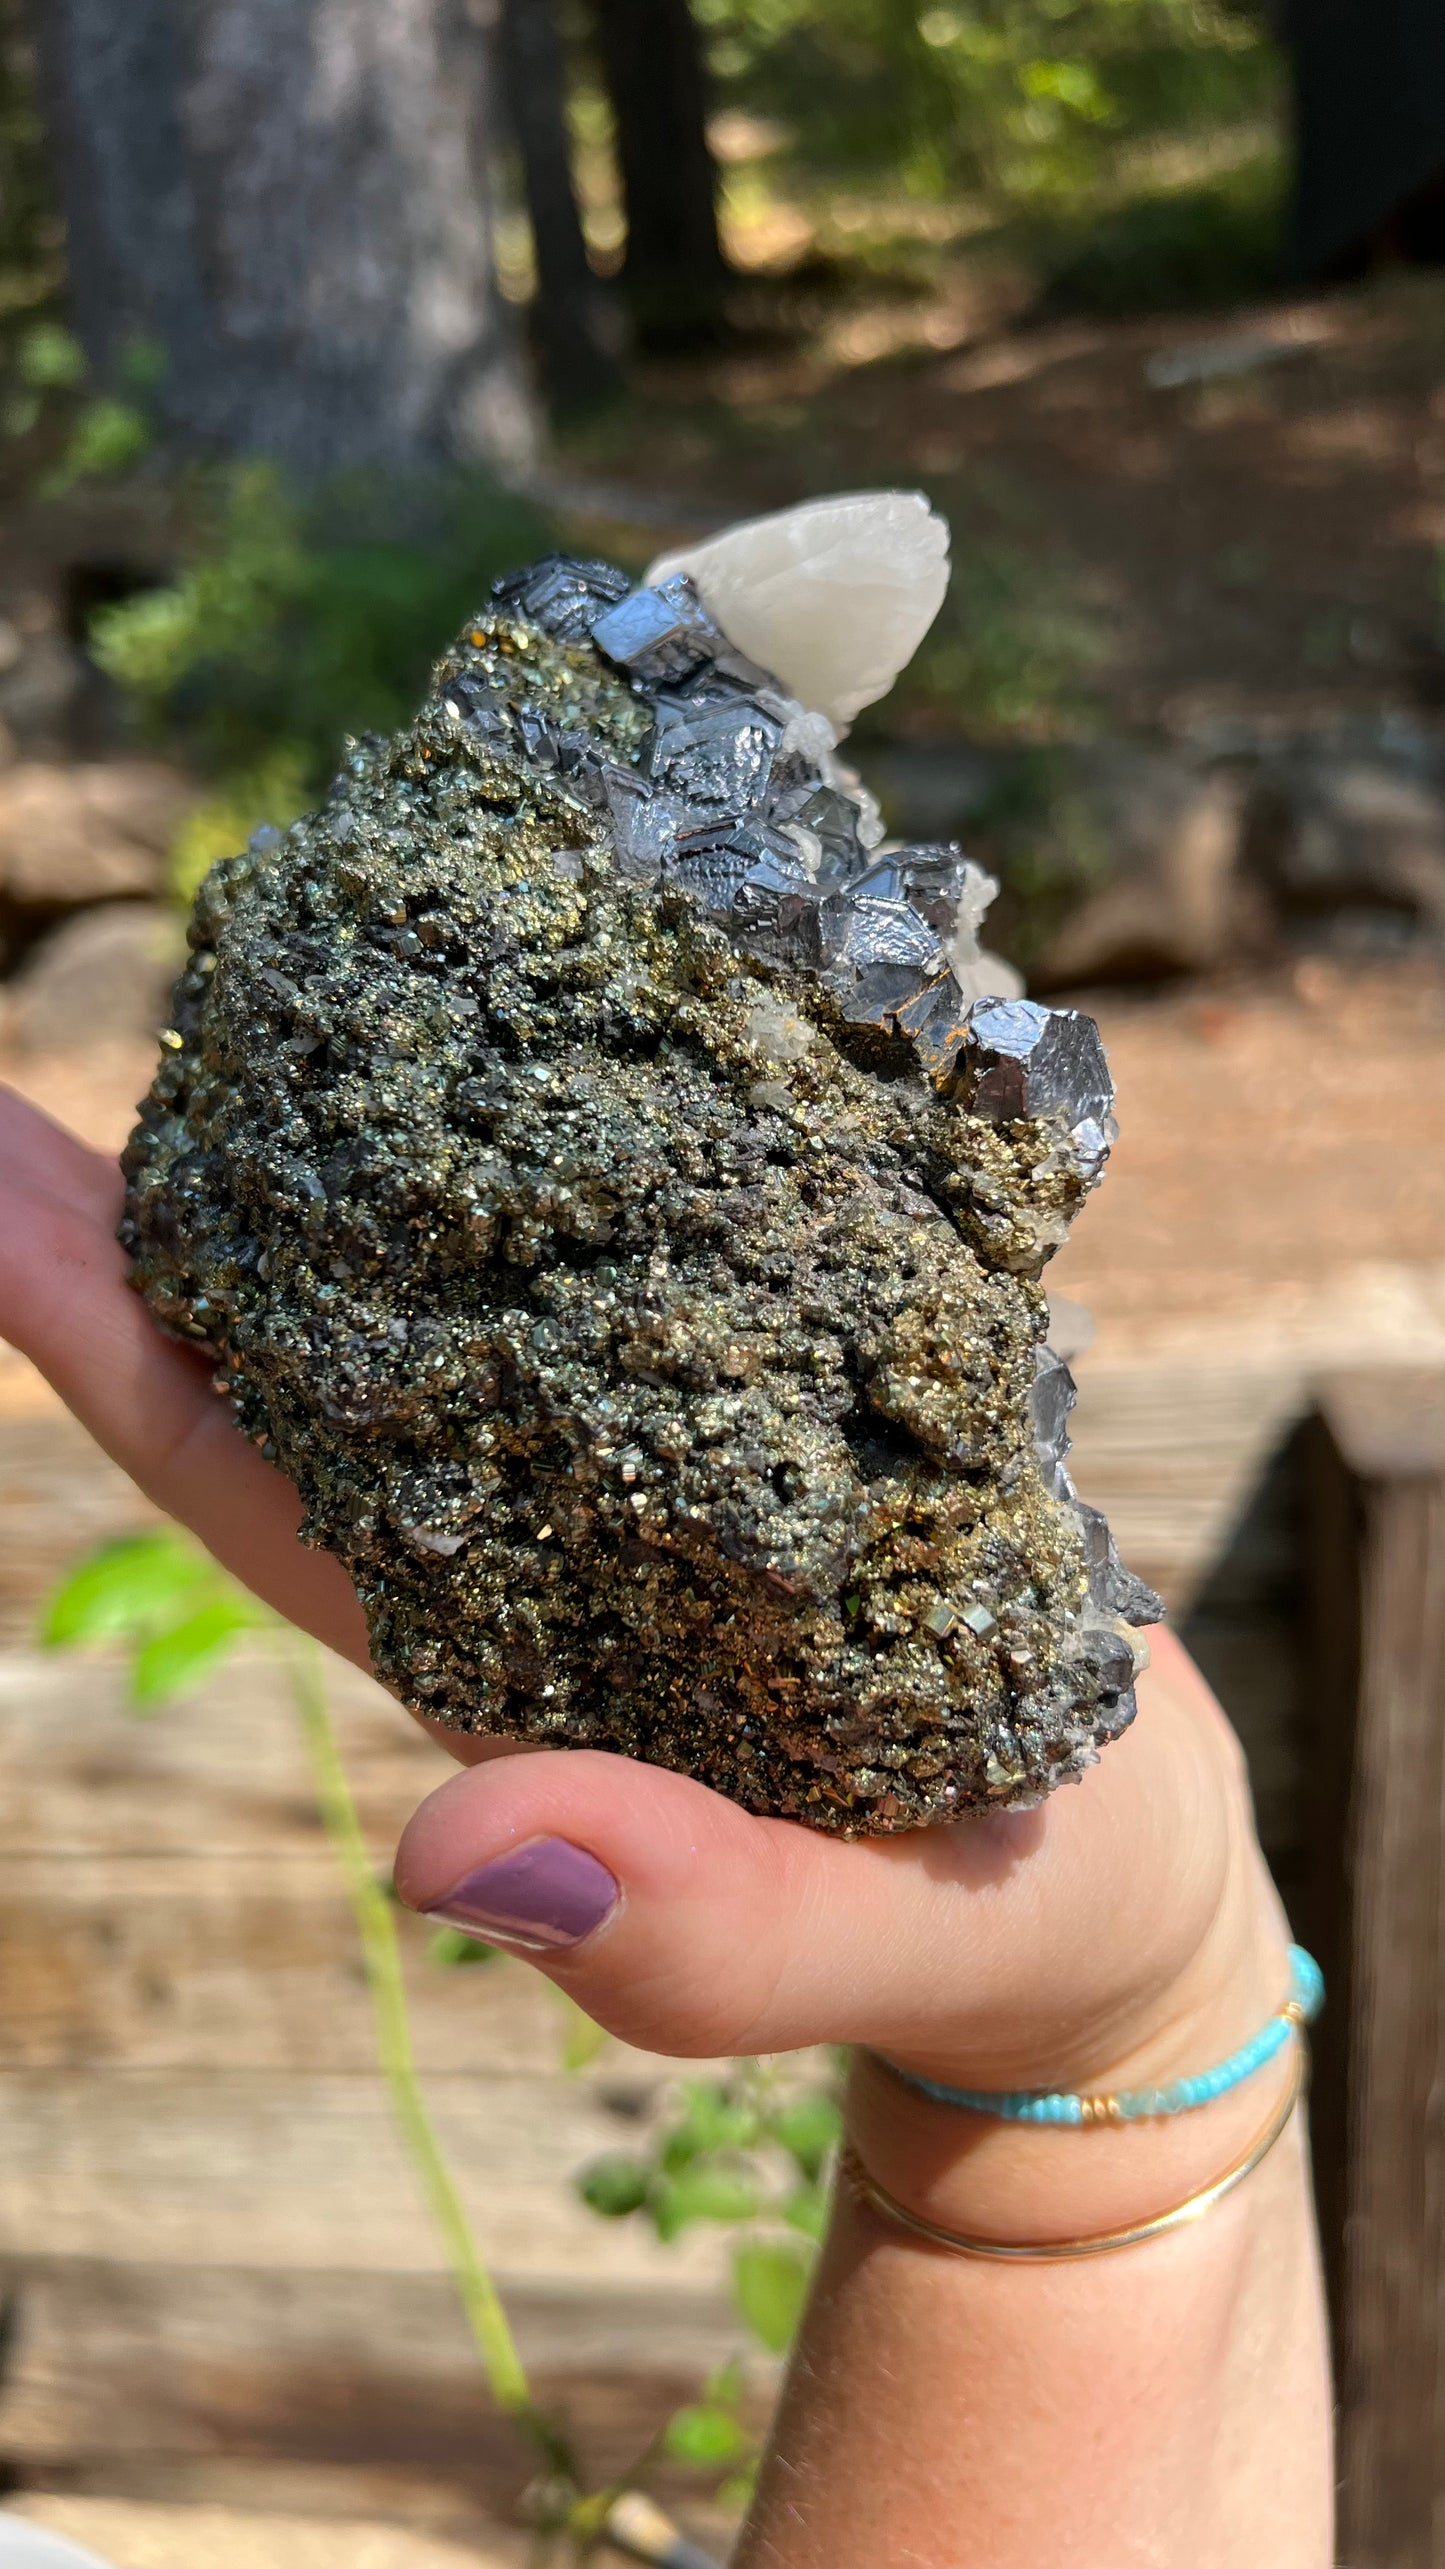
x: 808, y: 2129
x: 584, y: 2037
x: 724, y: 2387
x: 108, y: 436
x: 456, y: 1951
x: 273, y: 791
x: 737, y: 2492
x: 701, y: 2194
x: 807, y: 2210
x: 49, y: 359
x: 181, y: 1656
x: 615, y: 2186
x: 703, y: 2435
x: 127, y: 1590
x: 770, y: 2286
x: 713, y: 2120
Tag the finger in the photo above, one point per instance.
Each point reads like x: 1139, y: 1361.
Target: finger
x: 38, y: 1156
x: 147, y: 1402
x: 689, y: 1926
x: 65, y: 1303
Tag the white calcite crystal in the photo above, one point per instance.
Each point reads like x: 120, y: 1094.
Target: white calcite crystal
x: 979, y: 974
x: 834, y: 597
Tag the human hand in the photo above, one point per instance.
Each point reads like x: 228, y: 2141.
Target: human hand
x: 147, y: 1401
x: 1125, y: 1932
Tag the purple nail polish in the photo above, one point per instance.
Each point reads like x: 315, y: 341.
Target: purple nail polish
x: 545, y: 1895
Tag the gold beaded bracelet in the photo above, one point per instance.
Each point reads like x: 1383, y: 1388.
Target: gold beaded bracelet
x: 959, y: 2243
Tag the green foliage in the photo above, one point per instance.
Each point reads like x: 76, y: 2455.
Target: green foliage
x: 272, y: 792
x: 108, y: 436
x: 1048, y: 846
x: 809, y: 2127
x: 49, y: 358
x: 1173, y: 247
x: 704, y: 2435
x: 1012, y: 651
x: 106, y: 431
x: 807, y: 2210
x: 298, y: 621
x: 701, y: 2193
x: 1019, y: 101
x: 174, y: 1660
x: 733, y: 2151
x: 453, y: 1951
x: 164, y: 1600
x: 712, y: 2435
x: 714, y: 2119
x: 615, y: 2185
x: 770, y: 2286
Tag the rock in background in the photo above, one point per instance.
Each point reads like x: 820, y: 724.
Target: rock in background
x: 104, y: 977
x: 88, y: 941
x: 1351, y: 849
x: 1122, y: 863
x: 72, y: 834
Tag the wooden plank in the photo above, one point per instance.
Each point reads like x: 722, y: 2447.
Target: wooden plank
x: 129, y: 2374
x: 1380, y: 1916
x: 1389, y: 1424
x: 245, y: 1963
x: 1196, y: 1466
x: 254, y: 2169
x: 1173, y: 1450
x: 223, y: 1769
x: 140, y: 2534
x: 59, y: 1496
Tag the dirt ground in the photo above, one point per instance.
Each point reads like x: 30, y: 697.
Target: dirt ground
x: 1256, y: 541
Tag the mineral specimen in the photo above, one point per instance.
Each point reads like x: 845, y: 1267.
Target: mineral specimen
x: 836, y: 596
x: 613, y: 1187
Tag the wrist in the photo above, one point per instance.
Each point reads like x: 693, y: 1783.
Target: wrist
x: 1004, y: 2178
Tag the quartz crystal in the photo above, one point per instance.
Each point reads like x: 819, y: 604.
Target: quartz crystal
x: 835, y: 596
x: 614, y: 1186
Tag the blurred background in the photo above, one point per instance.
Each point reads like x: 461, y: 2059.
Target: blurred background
x: 315, y: 315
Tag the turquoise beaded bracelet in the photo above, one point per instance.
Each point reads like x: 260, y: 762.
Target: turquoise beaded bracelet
x: 1139, y: 2104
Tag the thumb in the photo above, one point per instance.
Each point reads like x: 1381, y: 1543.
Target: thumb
x: 688, y: 1926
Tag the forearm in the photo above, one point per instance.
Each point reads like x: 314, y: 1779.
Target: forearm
x: 1166, y: 2404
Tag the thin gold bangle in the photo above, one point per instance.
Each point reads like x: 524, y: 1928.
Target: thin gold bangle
x: 959, y: 2243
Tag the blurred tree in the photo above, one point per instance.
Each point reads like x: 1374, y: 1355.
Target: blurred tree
x: 30, y: 261
x: 673, y: 273
x: 1369, y: 78
x: 282, y: 208
x: 578, y: 367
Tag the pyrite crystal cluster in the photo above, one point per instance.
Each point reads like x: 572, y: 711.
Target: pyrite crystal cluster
x: 613, y: 1186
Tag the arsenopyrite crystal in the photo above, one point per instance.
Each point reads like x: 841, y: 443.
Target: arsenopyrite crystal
x: 614, y: 1188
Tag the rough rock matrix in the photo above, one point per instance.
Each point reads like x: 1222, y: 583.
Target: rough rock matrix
x: 608, y: 1197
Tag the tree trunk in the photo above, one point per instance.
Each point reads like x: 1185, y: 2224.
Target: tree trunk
x: 1369, y: 84
x: 578, y: 369
x: 288, y: 200
x: 674, y: 272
